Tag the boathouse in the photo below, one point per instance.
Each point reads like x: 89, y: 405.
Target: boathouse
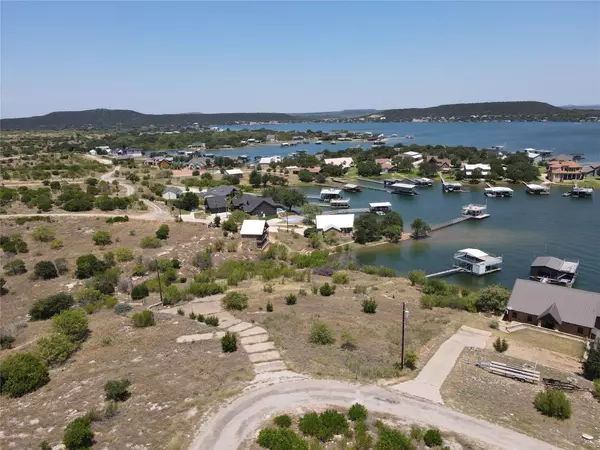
x: 352, y: 188
x: 537, y: 189
x: 548, y: 269
x: 339, y: 203
x: 380, y: 207
x: 327, y: 195
x: 257, y: 230
x: 403, y: 189
x: 475, y: 211
x: 343, y: 223
x: 498, y: 191
x: 571, y: 311
x: 476, y: 262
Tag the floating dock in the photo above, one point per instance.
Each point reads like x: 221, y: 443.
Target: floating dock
x: 448, y: 186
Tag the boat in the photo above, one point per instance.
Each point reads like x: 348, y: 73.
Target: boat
x: 449, y: 186
x: 498, y: 191
x: 409, y: 136
x: 333, y: 143
x: 380, y: 207
x: 476, y: 262
x: 327, y: 194
x: 339, y: 203
x: 284, y: 144
x: 352, y: 188
x: 421, y: 182
x: 318, y: 142
x: 394, y: 135
x: 581, y: 192
x: 475, y: 211
x: 403, y: 189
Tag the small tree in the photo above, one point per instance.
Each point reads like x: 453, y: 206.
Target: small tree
x: 45, y: 270
x: 553, y: 403
x: 102, y: 238
x: 417, y: 277
x: 43, y: 233
x: 217, y: 221
x: 230, y: 225
x: 500, y: 345
x: 492, y: 299
x: 163, y: 232
x: 326, y: 290
x: 54, y: 349
x: 22, y: 373
x: 73, y: 323
x: 290, y: 299
x: 357, y: 412
x: 235, y: 300
x: 433, y: 438
x: 116, y: 390
x: 143, y: 319
x: 88, y: 266
x: 229, y: 343
x: 369, y: 306
x: 420, y: 228
x: 410, y: 359
x: 591, y: 366
x: 269, y: 306
x: 47, y: 307
x: 283, y: 421
x: 320, y: 334
x: 15, y: 267
x: 78, y: 434
x: 139, y: 292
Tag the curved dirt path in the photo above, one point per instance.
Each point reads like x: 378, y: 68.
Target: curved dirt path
x: 242, y: 418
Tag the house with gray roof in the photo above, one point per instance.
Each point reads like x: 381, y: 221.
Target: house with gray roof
x: 572, y: 311
x: 256, y: 206
x: 222, y: 191
x: 549, y: 269
x: 172, y: 193
x: 198, y: 162
x: 216, y: 204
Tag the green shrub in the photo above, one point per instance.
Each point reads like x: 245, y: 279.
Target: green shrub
x: 205, y: 289
x: 45, y: 270
x: 117, y: 390
x: 553, y: 403
x: 369, y: 306
x: 268, y: 288
x: 235, y: 300
x: 492, y: 299
x: 321, y: 334
x: 410, y: 359
x: 357, y: 412
x: 390, y: 439
x: 362, y: 439
x: 55, y: 349
x: 348, y: 342
x: 102, y: 238
x: 73, y: 323
x: 326, y: 290
x: 88, y: 266
x: 56, y: 244
x: 597, y: 388
x: 47, y: 307
x: 6, y: 341
x: 283, y: 421
x: 310, y: 424
x: 219, y: 245
x: 379, y: 271
x: 122, y: 308
x: 78, y: 434
x: 280, y: 439
x: 139, y: 292
x: 143, y: 319
x: 150, y: 242
x: 494, y: 325
x: 22, y: 373
x: 15, y: 267
x: 192, y: 315
x: 500, y: 345
x: 61, y: 266
x: 163, y: 232
x: 323, y: 426
x: 302, y: 293
x: 433, y: 438
x: 340, y: 278
x: 139, y: 270
x: 200, y: 317
x: 360, y: 289
x: 416, y: 433
x: 417, y: 277
x: 591, y: 366
x: 212, y: 321
x: 172, y: 295
x: 180, y: 311
x: 43, y: 233
x: 313, y: 259
x: 124, y: 254
x: 45, y: 446
x: 269, y: 306
x: 290, y: 299
x: 229, y: 343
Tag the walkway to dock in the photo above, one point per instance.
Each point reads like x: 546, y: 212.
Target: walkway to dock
x: 446, y: 272
x: 346, y: 211
x: 449, y: 223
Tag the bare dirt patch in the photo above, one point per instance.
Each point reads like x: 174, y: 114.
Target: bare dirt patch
x: 171, y: 386
x: 509, y: 403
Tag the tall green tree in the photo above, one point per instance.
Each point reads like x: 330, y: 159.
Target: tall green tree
x: 255, y: 178
x: 367, y: 229
x: 310, y: 212
x: 420, y: 228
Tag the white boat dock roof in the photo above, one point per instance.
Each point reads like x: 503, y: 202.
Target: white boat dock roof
x: 480, y: 255
x: 472, y: 207
x: 330, y: 191
x: 404, y: 185
x: 380, y: 205
x: 327, y: 222
x: 253, y: 227
x: 537, y: 187
x: 499, y: 189
x: 351, y: 186
x: 339, y: 201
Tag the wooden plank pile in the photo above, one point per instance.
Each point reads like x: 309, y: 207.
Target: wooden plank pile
x: 515, y: 372
x: 560, y: 385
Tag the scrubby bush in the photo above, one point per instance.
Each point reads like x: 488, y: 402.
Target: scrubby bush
x: 380, y: 271
x: 150, y: 242
x: 280, y: 439
x: 417, y: 277
x: 139, y: 292
x: 61, y: 266
x: 340, y: 278
x: 410, y: 359
x: 494, y: 325
x: 22, y: 373
x: 269, y: 306
x: 268, y: 288
x: 229, y: 343
x: 78, y: 434
x: 47, y: 307
x: 172, y: 295
x: 500, y: 345
x: 553, y: 404
x: 163, y: 232
x: 369, y: 306
x: 122, y: 308
x: 320, y: 334
x: 56, y: 244
x: 203, y: 259
x: 88, y: 266
x: 416, y: 433
x: 326, y: 290
x: 43, y: 233
x: 360, y: 289
x: 54, y: 349
x: 323, y: 426
x: 433, y: 438
x: 143, y: 319
x: 15, y: 267
x: 139, y: 270
x: 290, y: 299
x: 362, y: 439
x: 313, y: 259
x: 324, y: 271
x: 219, y: 245
x: 357, y: 412
x: 6, y: 341
x: 102, y: 238
x: 591, y: 366
x: 597, y: 388
x: 235, y: 300
x: 390, y: 439
x: 117, y: 390
x: 205, y: 289
x: 348, y: 342
x: 192, y: 315
x: 45, y: 270
x: 73, y: 323
x: 283, y: 421
x: 124, y: 254
x: 212, y: 321
x: 492, y: 299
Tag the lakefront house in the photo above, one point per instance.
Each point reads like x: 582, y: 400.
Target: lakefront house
x: 564, y: 171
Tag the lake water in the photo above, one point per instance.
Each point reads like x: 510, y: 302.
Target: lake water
x: 519, y: 229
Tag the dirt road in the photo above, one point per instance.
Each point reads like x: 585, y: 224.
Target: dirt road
x: 243, y: 417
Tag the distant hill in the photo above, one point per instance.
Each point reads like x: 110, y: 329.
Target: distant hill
x: 584, y: 107
x: 124, y: 118
x: 344, y: 114
x: 474, y: 109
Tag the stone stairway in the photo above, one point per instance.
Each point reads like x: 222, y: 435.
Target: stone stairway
x: 264, y: 356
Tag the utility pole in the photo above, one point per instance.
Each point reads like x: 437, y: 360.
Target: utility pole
x: 404, y: 314
x: 161, y: 301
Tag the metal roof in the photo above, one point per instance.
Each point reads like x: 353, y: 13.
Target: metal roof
x: 404, y: 185
x: 574, y: 306
x: 475, y: 253
x: 253, y: 227
x: 334, y: 221
x: 379, y: 204
x: 553, y: 263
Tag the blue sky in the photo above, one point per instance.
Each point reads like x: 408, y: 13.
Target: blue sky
x: 170, y: 57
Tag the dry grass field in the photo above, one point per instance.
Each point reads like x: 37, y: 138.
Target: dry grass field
x: 509, y: 403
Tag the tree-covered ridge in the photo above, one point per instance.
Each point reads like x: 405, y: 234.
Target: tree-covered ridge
x: 123, y: 118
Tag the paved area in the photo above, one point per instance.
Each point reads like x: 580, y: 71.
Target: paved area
x: 242, y: 418
x: 429, y: 381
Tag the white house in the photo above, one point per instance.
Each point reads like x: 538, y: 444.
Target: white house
x: 235, y: 172
x: 257, y: 230
x: 344, y: 223
x: 535, y: 157
x: 270, y: 159
x: 414, y: 155
x: 344, y: 162
x: 469, y: 168
x: 171, y: 193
